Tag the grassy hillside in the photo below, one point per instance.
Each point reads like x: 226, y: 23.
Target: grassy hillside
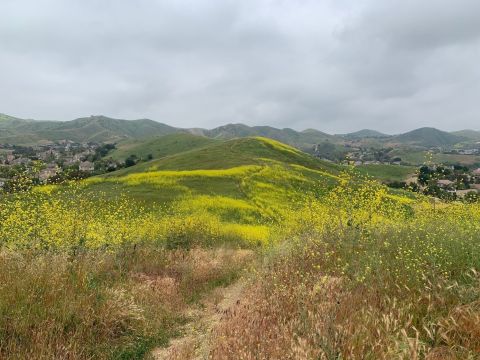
x: 387, y: 173
x: 420, y: 157
x: 160, y: 147
x: 231, y: 168
x: 301, y: 139
x: 427, y: 137
x: 469, y: 134
x: 93, y: 128
x: 365, y: 133
x: 304, y: 261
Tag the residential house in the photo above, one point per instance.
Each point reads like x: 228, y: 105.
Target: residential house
x: 20, y: 161
x: 476, y: 173
x: 47, y: 173
x: 2, y: 183
x: 444, y: 183
x: 86, y: 166
x: 462, y: 193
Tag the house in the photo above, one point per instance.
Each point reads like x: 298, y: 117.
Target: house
x: 20, y: 161
x: 68, y: 161
x: 2, y: 183
x: 444, y: 183
x: 462, y: 193
x: 476, y: 173
x: 86, y: 166
x: 47, y: 173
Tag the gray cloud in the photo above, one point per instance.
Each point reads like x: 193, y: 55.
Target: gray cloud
x: 332, y: 65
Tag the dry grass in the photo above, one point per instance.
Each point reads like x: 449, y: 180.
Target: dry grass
x: 103, y: 305
x: 303, y: 307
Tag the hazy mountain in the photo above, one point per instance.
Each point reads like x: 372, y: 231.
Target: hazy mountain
x: 427, y: 137
x: 93, y: 128
x: 365, y: 133
x: 104, y: 129
x: 470, y: 134
x: 302, y: 139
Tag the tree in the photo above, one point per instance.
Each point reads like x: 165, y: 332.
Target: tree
x: 131, y: 160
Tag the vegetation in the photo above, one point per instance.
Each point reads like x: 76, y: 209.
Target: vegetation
x: 364, y: 278
x: 387, y: 173
x: 160, y: 146
x: 337, y: 266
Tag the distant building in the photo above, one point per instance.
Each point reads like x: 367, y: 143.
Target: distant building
x: 2, y: 183
x: 86, y: 166
x: 475, y: 186
x: 462, y: 193
x: 444, y: 183
x: 47, y: 173
x: 20, y: 161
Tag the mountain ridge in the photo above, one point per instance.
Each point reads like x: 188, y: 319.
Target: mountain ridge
x: 99, y: 128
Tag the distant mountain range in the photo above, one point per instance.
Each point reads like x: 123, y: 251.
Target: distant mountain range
x: 104, y: 129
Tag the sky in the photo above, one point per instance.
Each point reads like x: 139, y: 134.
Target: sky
x: 333, y: 65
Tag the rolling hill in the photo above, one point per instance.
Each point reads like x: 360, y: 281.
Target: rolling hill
x: 93, y: 128
x: 365, y: 133
x: 258, y: 170
x: 427, y: 137
x: 160, y: 146
x: 304, y: 140
x: 469, y: 134
x: 131, y: 132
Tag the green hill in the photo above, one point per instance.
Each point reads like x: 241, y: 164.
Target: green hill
x: 469, y: 134
x: 93, y: 128
x: 365, y: 133
x: 160, y: 146
x: 427, y: 137
x: 258, y: 170
x: 231, y: 153
x: 304, y: 140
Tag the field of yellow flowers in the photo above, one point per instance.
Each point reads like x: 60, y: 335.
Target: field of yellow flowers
x: 93, y: 270
x: 364, y: 276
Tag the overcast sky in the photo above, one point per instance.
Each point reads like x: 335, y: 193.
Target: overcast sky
x: 333, y: 65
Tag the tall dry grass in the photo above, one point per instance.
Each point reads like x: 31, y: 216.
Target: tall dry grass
x: 305, y: 306
x: 102, y: 305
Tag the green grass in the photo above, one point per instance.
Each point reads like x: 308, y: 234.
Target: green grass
x: 234, y: 168
x: 420, y: 157
x: 160, y: 147
x: 387, y: 173
x: 231, y: 153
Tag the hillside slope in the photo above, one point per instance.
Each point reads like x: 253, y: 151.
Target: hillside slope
x: 427, y: 137
x: 304, y: 140
x: 263, y: 172
x: 231, y: 153
x: 93, y: 128
x: 161, y: 146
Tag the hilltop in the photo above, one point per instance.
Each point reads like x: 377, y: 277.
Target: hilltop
x: 160, y: 146
x: 88, y: 129
x: 301, y: 139
x: 130, y: 133
x: 364, y: 133
x: 427, y: 137
x: 231, y: 168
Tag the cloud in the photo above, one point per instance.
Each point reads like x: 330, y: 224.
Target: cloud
x: 332, y: 65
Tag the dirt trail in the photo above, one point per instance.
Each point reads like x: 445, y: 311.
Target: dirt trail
x: 194, y: 343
